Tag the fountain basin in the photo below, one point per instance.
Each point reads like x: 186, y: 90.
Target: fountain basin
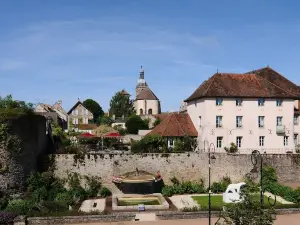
x: 132, y: 202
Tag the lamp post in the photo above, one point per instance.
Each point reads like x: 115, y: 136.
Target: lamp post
x: 212, y: 157
x: 255, y: 156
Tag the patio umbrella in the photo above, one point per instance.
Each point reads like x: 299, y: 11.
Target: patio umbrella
x: 112, y: 135
x: 86, y: 135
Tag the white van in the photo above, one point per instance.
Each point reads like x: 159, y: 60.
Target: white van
x: 233, y: 193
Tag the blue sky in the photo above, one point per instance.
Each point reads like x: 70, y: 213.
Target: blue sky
x: 69, y: 49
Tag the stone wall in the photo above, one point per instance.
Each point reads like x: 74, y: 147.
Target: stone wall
x: 185, y: 166
x: 31, y: 130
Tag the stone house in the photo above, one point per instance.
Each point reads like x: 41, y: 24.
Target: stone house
x: 54, y: 113
x: 78, y: 114
x: 256, y: 110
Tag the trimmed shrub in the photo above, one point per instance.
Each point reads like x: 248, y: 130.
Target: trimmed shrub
x: 105, y: 192
x: 19, y: 206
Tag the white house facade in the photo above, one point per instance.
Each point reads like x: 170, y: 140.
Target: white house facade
x: 247, y: 110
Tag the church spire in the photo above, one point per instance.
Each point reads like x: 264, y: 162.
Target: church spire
x: 142, y: 73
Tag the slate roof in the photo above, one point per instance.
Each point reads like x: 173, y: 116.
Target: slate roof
x: 175, y: 125
x: 78, y: 103
x: 248, y: 85
x: 146, y: 94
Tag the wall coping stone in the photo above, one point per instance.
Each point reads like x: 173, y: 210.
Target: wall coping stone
x: 129, y: 216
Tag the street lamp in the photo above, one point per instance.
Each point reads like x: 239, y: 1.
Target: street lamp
x: 211, y: 158
x: 255, y: 157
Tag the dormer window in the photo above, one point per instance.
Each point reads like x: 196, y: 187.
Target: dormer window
x: 261, y: 102
x: 219, y: 101
x: 239, y: 102
x: 279, y: 102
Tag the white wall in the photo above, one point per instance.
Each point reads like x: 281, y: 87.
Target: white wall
x: 207, y: 109
x: 146, y: 105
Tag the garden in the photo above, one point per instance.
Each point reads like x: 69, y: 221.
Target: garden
x: 47, y: 196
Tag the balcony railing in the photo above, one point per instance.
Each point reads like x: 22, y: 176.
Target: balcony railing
x: 280, y: 129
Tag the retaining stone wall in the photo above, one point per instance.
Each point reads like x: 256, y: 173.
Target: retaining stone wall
x: 192, y: 166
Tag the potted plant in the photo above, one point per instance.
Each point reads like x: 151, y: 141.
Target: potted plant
x: 232, y: 149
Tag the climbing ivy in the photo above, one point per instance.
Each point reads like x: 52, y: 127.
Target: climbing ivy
x: 11, y: 109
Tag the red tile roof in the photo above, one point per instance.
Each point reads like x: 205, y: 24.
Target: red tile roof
x: 161, y: 116
x: 277, y: 79
x: 240, y: 85
x: 175, y: 125
x: 146, y: 94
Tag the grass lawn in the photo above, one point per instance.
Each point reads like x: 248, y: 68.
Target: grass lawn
x: 217, y: 201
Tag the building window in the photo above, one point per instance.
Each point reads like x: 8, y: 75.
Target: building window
x: 239, y: 141
x: 279, y: 102
x: 279, y: 121
x: 261, y: 102
x: 286, y: 140
x: 239, y: 121
x: 171, y: 142
x: 261, y: 141
x: 219, y: 121
x: 238, y: 102
x: 150, y: 111
x: 219, y: 142
x: 199, y: 121
x: 141, y: 112
x: 296, y: 139
x: 296, y: 120
x: 219, y: 101
x: 261, y: 121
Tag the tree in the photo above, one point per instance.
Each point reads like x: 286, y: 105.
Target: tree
x: 94, y: 107
x: 246, y: 212
x: 105, y: 120
x: 135, y: 123
x: 156, y: 122
x: 120, y: 105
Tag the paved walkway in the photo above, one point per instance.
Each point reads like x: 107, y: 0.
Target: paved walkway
x: 278, y: 198
x: 292, y: 219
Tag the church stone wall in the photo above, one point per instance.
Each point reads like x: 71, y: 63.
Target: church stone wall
x: 146, y: 105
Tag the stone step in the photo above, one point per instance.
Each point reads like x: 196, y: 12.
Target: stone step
x: 145, y: 217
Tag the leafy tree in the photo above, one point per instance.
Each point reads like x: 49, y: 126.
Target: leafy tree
x: 246, y: 212
x: 120, y: 105
x: 106, y: 120
x: 8, y: 104
x: 156, y: 122
x: 94, y: 107
x: 135, y: 123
